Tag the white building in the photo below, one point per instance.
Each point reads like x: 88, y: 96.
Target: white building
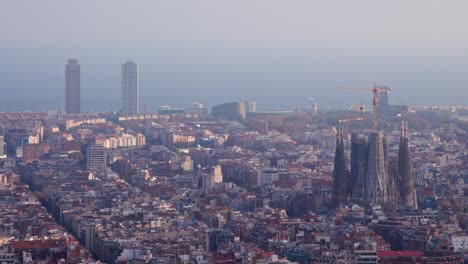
x: 460, y: 243
x: 365, y: 253
x: 122, y: 141
x: 2, y: 147
x: 135, y: 254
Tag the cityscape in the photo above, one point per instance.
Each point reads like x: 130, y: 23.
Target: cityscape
x: 377, y: 180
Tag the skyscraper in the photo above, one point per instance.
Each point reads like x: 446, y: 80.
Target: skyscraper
x: 72, y: 87
x: 405, y: 169
x: 340, y: 182
x: 129, y: 89
x: 96, y: 157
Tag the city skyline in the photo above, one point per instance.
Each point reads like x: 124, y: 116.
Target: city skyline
x: 253, y: 132
x: 294, y: 52
x: 290, y: 101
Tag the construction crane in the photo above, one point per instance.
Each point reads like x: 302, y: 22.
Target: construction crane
x: 361, y: 107
x: 349, y: 120
x: 375, y: 91
x: 314, y: 106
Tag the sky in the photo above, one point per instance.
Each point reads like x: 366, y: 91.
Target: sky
x: 277, y: 53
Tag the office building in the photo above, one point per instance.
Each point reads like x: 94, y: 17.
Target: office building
x: 72, y: 87
x: 130, y: 101
x: 96, y: 157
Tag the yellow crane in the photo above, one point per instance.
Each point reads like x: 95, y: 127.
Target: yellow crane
x: 375, y: 98
x: 349, y: 120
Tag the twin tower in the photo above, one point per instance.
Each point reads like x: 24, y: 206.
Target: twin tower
x: 130, y: 91
x: 374, y: 179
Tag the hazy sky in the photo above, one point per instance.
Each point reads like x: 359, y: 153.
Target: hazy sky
x: 275, y: 52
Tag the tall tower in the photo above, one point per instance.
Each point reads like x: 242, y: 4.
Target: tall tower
x: 340, y: 182
x: 72, y: 87
x: 359, y: 154
x: 405, y: 169
x: 130, y: 99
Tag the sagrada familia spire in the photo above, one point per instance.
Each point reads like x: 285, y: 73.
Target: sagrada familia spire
x: 405, y: 170
x: 340, y: 181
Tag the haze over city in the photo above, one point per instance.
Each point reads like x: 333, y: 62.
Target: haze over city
x: 233, y: 132
x: 277, y: 53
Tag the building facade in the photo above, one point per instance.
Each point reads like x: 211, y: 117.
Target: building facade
x: 3, y: 149
x: 72, y: 87
x: 130, y: 101
x: 213, y: 176
x: 34, y: 151
x: 234, y: 110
